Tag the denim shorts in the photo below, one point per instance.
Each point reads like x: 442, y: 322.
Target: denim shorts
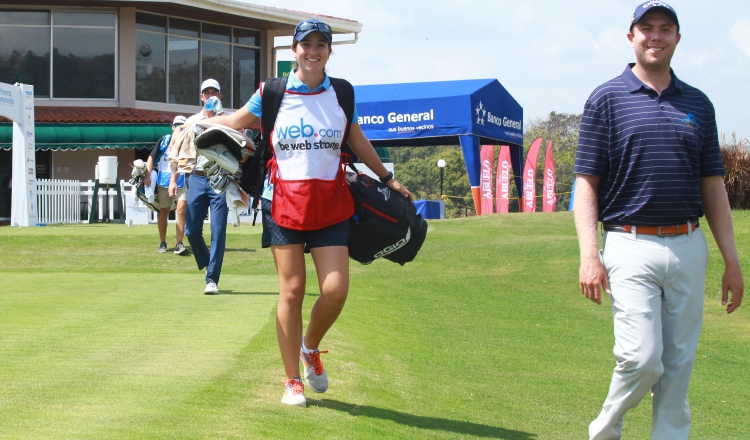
x: 274, y: 235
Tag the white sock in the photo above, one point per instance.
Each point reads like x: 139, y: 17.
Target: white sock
x: 304, y: 348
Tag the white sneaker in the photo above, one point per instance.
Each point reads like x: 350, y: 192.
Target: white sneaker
x: 180, y: 249
x: 315, y: 375
x: 294, y: 393
x: 211, y: 288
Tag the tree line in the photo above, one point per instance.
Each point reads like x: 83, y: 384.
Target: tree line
x: 416, y: 167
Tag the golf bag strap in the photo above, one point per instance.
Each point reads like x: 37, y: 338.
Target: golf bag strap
x: 345, y: 97
x: 272, y: 94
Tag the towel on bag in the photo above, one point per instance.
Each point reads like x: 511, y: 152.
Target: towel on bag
x: 237, y: 200
x: 182, y: 153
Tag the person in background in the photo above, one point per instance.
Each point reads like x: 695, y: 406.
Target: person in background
x: 200, y: 198
x: 159, y: 157
x: 292, y: 223
x: 648, y: 167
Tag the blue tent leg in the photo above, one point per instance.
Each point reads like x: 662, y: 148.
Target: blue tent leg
x: 470, y: 148
x: 516, y: 160
x: 572, y: 195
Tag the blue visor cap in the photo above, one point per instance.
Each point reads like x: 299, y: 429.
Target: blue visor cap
x: 654, y: 6
x: 304, y: 28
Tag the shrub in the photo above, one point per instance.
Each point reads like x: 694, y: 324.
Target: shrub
x: 736, y: 158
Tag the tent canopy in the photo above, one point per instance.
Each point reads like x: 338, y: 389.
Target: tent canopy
x: 468, y: 112
x: 437, y: 113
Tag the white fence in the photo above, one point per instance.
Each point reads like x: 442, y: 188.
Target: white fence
x: 69, y: 201
x: 59, y: 201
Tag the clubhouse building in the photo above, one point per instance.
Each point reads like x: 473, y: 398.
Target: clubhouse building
x: 109, y: 76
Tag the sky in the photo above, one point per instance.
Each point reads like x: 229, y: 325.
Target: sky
x: 548, y: 54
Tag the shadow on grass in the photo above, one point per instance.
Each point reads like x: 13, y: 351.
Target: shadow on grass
x: 242, y: 292
x: 433, y: 423
x: 240, y: 250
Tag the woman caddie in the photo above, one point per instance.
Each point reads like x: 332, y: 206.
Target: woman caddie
x: 306, y: 204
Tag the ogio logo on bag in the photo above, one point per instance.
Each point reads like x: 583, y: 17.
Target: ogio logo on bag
x: 394, y: 247
x: 386, y: 193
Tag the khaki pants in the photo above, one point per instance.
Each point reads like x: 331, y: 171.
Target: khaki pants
x: 658, y: 287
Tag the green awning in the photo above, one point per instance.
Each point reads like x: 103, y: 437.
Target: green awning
x: 89, y: 136
x: 93, y: 136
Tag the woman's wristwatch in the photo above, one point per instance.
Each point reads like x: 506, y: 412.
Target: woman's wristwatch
x: 387, y: 177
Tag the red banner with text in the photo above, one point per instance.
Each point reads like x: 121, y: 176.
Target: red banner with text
x: 529, y: 177
x: 502, y: 180
x: 487, y: 155
x: 550, y: 198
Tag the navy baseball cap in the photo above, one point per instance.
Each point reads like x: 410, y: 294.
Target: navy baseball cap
x: 305, y: 27
x: 654, y: 6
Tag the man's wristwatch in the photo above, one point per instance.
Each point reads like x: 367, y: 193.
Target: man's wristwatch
x: 387, y: 177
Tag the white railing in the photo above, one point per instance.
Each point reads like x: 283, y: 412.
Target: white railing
x: 69, y: 201
x: 59, y: 201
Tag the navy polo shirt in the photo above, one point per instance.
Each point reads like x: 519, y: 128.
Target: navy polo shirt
x: 650, y: 150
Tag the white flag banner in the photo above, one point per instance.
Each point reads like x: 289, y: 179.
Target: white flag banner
x: 17, y: 104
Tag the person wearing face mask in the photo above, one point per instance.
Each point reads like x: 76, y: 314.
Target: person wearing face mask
x: 307, y: 205
x: 648, y: 167
x: 201, y: 197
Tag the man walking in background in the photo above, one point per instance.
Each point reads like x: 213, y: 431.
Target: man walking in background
x: 200, y: 198
x: 648, y: 167
x: 159, y: 157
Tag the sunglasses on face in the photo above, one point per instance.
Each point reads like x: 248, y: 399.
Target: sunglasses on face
x: 313, y: 26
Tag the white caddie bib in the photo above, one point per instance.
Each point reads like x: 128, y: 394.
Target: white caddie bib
x: 307, y: 135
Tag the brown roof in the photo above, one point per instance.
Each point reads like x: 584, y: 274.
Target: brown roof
x: 100, y: 115
x: 105, y: 115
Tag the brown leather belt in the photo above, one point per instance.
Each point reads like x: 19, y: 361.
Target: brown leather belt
x: 661, y: 231
x: 199, y: 173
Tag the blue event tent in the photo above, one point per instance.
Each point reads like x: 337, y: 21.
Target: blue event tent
x: 467, y: 112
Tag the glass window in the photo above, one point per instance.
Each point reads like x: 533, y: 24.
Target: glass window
x: 150, y: 22
x: 246, y: 75
x: 215, y: 63
x: 83, y: 19
x: 43, y: 164
x: 6, y: 173
x: 24, y: 57
x: 217, y: 33
x: 150, y: 67
x: 174, y: 75
x: 82, y: 55
x: 24, y: 18
x: 84, y: 63
x: 246, y: 37
x: 186, y: 28
x: 184, y: 78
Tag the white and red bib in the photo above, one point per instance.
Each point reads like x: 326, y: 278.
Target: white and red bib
x: 310, y: 191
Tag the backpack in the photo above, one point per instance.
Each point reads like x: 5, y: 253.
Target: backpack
x: 385, y: 224
x: 254, y: 170
x: 163, y: 145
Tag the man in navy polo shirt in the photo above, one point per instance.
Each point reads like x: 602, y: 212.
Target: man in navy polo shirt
x: 648, y: 167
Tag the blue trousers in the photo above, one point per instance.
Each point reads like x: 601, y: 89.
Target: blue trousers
x: 200, y: 197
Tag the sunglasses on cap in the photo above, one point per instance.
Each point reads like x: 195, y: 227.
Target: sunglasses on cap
x: 307, y: 26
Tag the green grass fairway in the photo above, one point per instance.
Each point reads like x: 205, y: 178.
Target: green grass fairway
x: 485, y: 335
